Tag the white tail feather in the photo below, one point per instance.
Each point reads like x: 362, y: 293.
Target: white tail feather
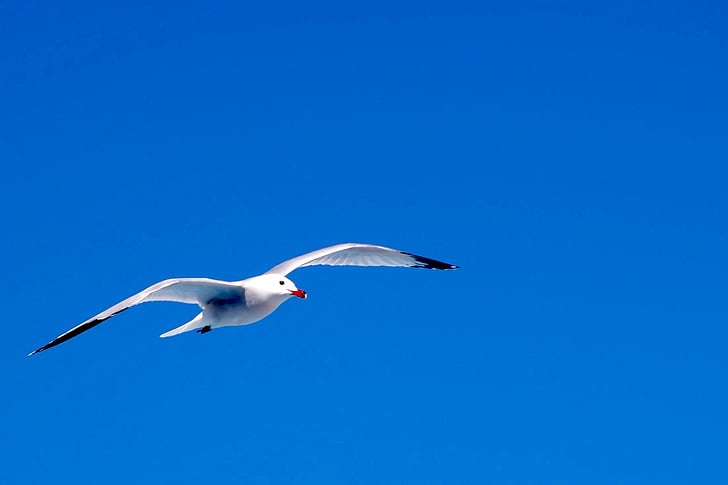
x: 194, y: 324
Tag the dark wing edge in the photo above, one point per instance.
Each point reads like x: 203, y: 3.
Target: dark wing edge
x: 74, y: 331
x: 427, y: 263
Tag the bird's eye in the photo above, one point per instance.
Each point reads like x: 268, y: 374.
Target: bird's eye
x: 282, y: 283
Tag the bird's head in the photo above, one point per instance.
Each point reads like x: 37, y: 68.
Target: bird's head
x: 281, y: 286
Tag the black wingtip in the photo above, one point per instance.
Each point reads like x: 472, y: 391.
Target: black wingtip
x: 428, y: 263
x: 47, y: 346
x: 75, y: 331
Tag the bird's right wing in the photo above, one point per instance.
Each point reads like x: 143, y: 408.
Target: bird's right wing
x: 357, y: 254
x: 182, y: 290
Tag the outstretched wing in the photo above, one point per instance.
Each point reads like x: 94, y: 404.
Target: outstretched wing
x: 183, y: 290
x: 355, y: 254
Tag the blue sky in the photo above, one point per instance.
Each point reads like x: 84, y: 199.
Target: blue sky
x: 570, y: 158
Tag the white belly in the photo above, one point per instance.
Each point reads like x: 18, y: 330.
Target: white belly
x: 227, y: 315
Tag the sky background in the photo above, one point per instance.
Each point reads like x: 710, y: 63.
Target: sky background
x: 569, y: 156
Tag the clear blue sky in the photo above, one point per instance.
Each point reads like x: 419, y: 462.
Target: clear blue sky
x: 571, y: 158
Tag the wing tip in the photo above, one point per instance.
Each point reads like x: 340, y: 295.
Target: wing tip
x: 37, y: 350
x: 73, y: 332
x: 427, y: 263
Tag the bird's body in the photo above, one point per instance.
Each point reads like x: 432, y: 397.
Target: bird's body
x: 253, y: 304
x: 225, y: 303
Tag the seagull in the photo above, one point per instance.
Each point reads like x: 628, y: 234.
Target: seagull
x: 229, y: 303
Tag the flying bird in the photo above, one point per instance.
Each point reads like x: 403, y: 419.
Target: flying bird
x: 227, y: 303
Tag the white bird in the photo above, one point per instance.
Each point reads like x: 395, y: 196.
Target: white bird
x: 227, y: 303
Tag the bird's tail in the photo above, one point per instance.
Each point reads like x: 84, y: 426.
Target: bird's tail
x: 194, y: 324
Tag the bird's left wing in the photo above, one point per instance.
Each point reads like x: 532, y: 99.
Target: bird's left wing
x: 182, y: 290
x: 356, y: 254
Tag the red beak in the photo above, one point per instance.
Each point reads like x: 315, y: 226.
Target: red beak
x: 299, y: 293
